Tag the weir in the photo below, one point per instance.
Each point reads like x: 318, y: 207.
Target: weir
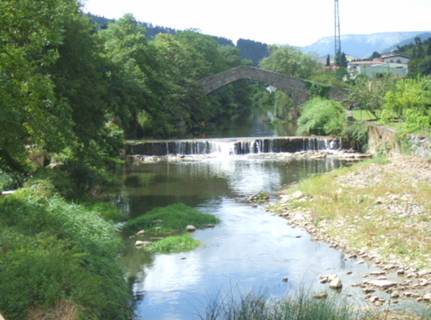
x: 232, y: 146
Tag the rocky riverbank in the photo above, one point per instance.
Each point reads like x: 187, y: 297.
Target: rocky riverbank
x: 377, y: 212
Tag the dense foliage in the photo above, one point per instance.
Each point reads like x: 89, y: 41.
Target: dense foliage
x: 368, y: 94
x: 321, y: 117
x: 409, y: 102
x: 420, y: 54
x: 54, y: 253
x: 293, y: 63
x: 71, y: 92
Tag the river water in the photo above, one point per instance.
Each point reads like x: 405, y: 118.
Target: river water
x: 250, y: 250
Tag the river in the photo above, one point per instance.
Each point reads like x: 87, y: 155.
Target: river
x: 250, y: 250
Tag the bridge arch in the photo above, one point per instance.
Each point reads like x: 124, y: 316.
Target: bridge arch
x: 295, y: 88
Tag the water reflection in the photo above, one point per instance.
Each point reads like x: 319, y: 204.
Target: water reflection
x: 249, y: 250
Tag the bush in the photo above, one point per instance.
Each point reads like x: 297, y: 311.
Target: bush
x: 52, y: 251
x: 169, y: 220
x: 321, y: 117
x: 409, y: 102
x: 355, y: 135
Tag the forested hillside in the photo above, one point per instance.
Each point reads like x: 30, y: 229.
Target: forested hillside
x: 252, y: 50
x: 420, y: 54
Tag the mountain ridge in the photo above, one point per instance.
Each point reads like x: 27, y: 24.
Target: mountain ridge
x: 362, y: 45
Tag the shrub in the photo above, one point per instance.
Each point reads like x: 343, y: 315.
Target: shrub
x: 355, y: 135
x: 322, y: 117
x: 409, y: 102
x: 169, y: 220
x: 52, y: 251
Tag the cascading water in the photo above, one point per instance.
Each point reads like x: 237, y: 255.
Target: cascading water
x: 233, y: 146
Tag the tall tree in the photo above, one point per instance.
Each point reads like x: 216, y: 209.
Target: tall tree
x: 31, y: 113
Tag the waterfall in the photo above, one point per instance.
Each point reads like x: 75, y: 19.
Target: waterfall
x: 232, y: 146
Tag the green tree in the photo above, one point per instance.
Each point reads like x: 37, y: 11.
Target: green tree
x: 410, y: 102
x: 322, y: 117
x: 368, y: 94
x: 31, y: 113
x: 134, y: 87
x: 341, y: 59
x: 292, y: 62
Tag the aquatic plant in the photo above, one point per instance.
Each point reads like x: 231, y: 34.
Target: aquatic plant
x: 174, y: 244
x: 255, y: 307
x: 170, y: 220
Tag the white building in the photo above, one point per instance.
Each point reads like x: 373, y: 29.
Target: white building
x: 394, y: 58
x: 393, y: 64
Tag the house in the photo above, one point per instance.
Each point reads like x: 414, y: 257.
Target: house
x: 393, y: 64
x: 394, y: 58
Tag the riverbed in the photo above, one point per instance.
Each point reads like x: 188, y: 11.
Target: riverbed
x: 249, y: 251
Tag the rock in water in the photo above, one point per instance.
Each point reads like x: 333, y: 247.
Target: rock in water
x: 140, y: 232
x: 190, y: 228
x: 427, y: 297
x: 382, y: 284
x: 321, y: 295
x: 141, y: 244
x: 285, y: 279
x: 336, y: 283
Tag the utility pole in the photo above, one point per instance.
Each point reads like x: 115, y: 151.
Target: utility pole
x: 337, y: 38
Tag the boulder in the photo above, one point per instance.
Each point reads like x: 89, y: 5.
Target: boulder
x: 335, y: 283
x: 190, y: 228
x: 382, y: 284
x: 320, y: 295
x: 427, y: 297
x: 297, y: 195
x: 141, y: 244
x: 140, y: 232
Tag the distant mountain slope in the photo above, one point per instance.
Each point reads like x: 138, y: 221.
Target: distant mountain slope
x: 423, y: 36
x: 362, y: 45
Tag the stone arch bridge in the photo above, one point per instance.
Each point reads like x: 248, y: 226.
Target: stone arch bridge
x: 295, y: 88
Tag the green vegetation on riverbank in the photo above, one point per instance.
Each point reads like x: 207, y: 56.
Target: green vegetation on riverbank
x: 169, y: 220
x: 379, y: 206
x: 297, y: 308
x: 174, y: 244
x: 58, y: 260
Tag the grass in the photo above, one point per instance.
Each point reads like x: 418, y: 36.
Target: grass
x: 174, y: 244
x: 57, y: 256
x: 169, y: 220
x: 350, y: 213
x: 363, y: 115
x: 105, y: 210
x: 302, y: 307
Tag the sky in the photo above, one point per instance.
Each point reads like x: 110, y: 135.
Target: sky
x: 293, y: 22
